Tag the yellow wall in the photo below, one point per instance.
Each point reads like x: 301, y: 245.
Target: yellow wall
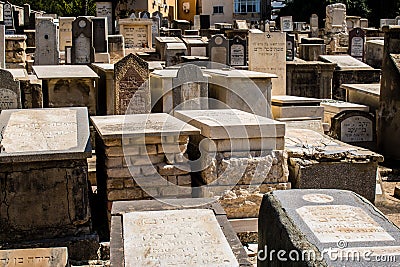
x: 159, y: 7
x: 189, y: 16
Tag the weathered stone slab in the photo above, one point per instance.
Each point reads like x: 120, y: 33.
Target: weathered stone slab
x: 325, y: 228
x: 192, y: 244
x: 40, y: 257
x: 345, y: 62
x: 46, y: 40
x: 65, y: 32
x: 82, y: 41
x: 286, y: 107
x: 10, y: 93
x: 137, y: 32
x: 104, y: 9
x: 231, y: 123
x: 157, y: 124
x: 2, y: 46
x: 140, y: 229
x: 333, y: 107
x: 366, y: 94
x: 238, y: 51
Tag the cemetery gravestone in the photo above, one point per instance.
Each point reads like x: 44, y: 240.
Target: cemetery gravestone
x: 2, y: 13
x: 354, y: 127
x: 65, y: 32
x: 335, y: 21
x: 287, y: 24
x: 137, y: 32
x: 10, y: 93
x: 2, y: 47
x: 8, y: 16
x: 144, y: 15
x: 267, y: 53
x: 40, y: 257
x: 314, y: 25
x: 205, y: 22
x: 46, y: 40
x: 82, y: 41
x: 131, y: 86
x: 238, y: 52
x: 219, y: 49
x: 325, y: 228
x: 105, y: 10
x: 100, y: 35
x: 155, y: 28
x: 357, y: 43
x: 27, y: 14
x: 290, y: 47
x: 173, y: 53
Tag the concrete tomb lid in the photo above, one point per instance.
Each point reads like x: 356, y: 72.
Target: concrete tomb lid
x: 64, y: 72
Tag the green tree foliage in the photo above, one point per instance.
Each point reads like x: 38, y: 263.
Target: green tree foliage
x: 61, y: 7
x: 374, y: 10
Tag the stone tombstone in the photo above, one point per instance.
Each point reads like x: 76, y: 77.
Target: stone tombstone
x: 196, y: 22
x: 27, y: 14
x: 38, y: 257
x: 219, y: 49
x: 241, y: 25
x: 267, y: 53
x: 335, y: 21
x: 144, y: 15
x: 237, y: 51
x: 131, y: 84
x: 290, y: 47
x: 10, y: 93
x: 8, y: 16
x: 189, y: 87
x: 287, y: 24
x: 164, y: 22
x: 173, y: 53
x: 205, y: 22
x: 82, y: 41
x: 137, y: 32
x: 155, y: 27
x: 325, y: 227
x: 1, y: 13
x: 105, y: 10
x: 100, y: 35
x: 46, y: 40
x: 314, y: 25
x: 354, y: 127
x: 357, y: 43
x: 65, y: 31
x: 2, y: 47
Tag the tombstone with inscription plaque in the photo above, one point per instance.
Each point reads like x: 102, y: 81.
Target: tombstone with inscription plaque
x: 189, y: 232
x: 100, y: 35
x: 104, y: 9
x: 357, y: 43
x: 290, y: 47
x: 131, y: 86
x: 8, y: 16
x: 82, y: 41
x: 10, y: 93
x: 314, y: 25
x: 47, y: 148
x: 41, y: 257
x: 238, y: 51
x: 46, y: 40
x: 267, y: 53
x: 218, y: 47
x: 65, y: 32
x: 144, y: 15
x: 324, y: 227
x: 286, y: 24
x: 354, y: 127
x: 137, y: 32
x: 155, y: 28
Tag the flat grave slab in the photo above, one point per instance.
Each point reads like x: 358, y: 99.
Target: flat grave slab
x: 345, y: 62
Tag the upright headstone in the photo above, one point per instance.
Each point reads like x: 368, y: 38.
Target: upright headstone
x: 241, y: 25
x: 287, y: 24
x: 116, y: 46
x: 205, y: 22
x: 82, y: 41
x: 131, y: 86
x: 219, y: 49
x: 46, y: 40
x: 238, y: 52
x: 65, y: 31
x: 155, y: 28
x: 144, y: 15
x: 100, y: 35
x: 2, y: 47
x: 196, y: 22
x: 8, y: 16
x: 27, y: 14
x: 1, y: 12
x: 314, y: 25
x: 267, y: 53
x: 290, y: 47
x: 357, y: 43
x: 335, y: 21
x: 10, y: 93
x: 104, y: 9
x: 137, y: 32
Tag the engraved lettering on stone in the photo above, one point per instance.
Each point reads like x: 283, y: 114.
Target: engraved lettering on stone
x: 135, y: 36
x: 318, y: 198
x: 8, y: 99
x: 332, y: 223
x: 356, y: 129
x: 357, y: 47
x: 237, y: 55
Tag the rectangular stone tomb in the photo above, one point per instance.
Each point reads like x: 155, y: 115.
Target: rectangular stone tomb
x: 68, y: 86
x: 364, y: 94
x: 325, y: 227
x: 333, y: 107
x: 143, y: 156
x: 285, y: 107
x: 249, y: 91
x: 40, y: 257
x: 316, y: 161
x: 187, y: 232
x: 240, y: 154
x: 43, y: 169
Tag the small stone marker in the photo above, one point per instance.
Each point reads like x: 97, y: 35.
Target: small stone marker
x: 82, y: 41
x: 131, y: 75
x: 10, y: 93
x: 357, y: 43
x: 38, y: 257
x: 325, y: 228
x: 238, y: 52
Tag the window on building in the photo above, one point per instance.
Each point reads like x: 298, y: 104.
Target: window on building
x: 218, y: 9
x: 247, y: 6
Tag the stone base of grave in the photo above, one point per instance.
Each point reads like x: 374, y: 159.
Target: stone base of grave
x: 122, y: 208
x: 80, y: 248
x: 44, y: 200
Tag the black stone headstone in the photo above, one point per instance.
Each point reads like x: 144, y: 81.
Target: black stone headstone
x: 290, y: 47
x: 219, y: 49
x: 238, y: 49
x: 205, y: 22
x: 100, y: 33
